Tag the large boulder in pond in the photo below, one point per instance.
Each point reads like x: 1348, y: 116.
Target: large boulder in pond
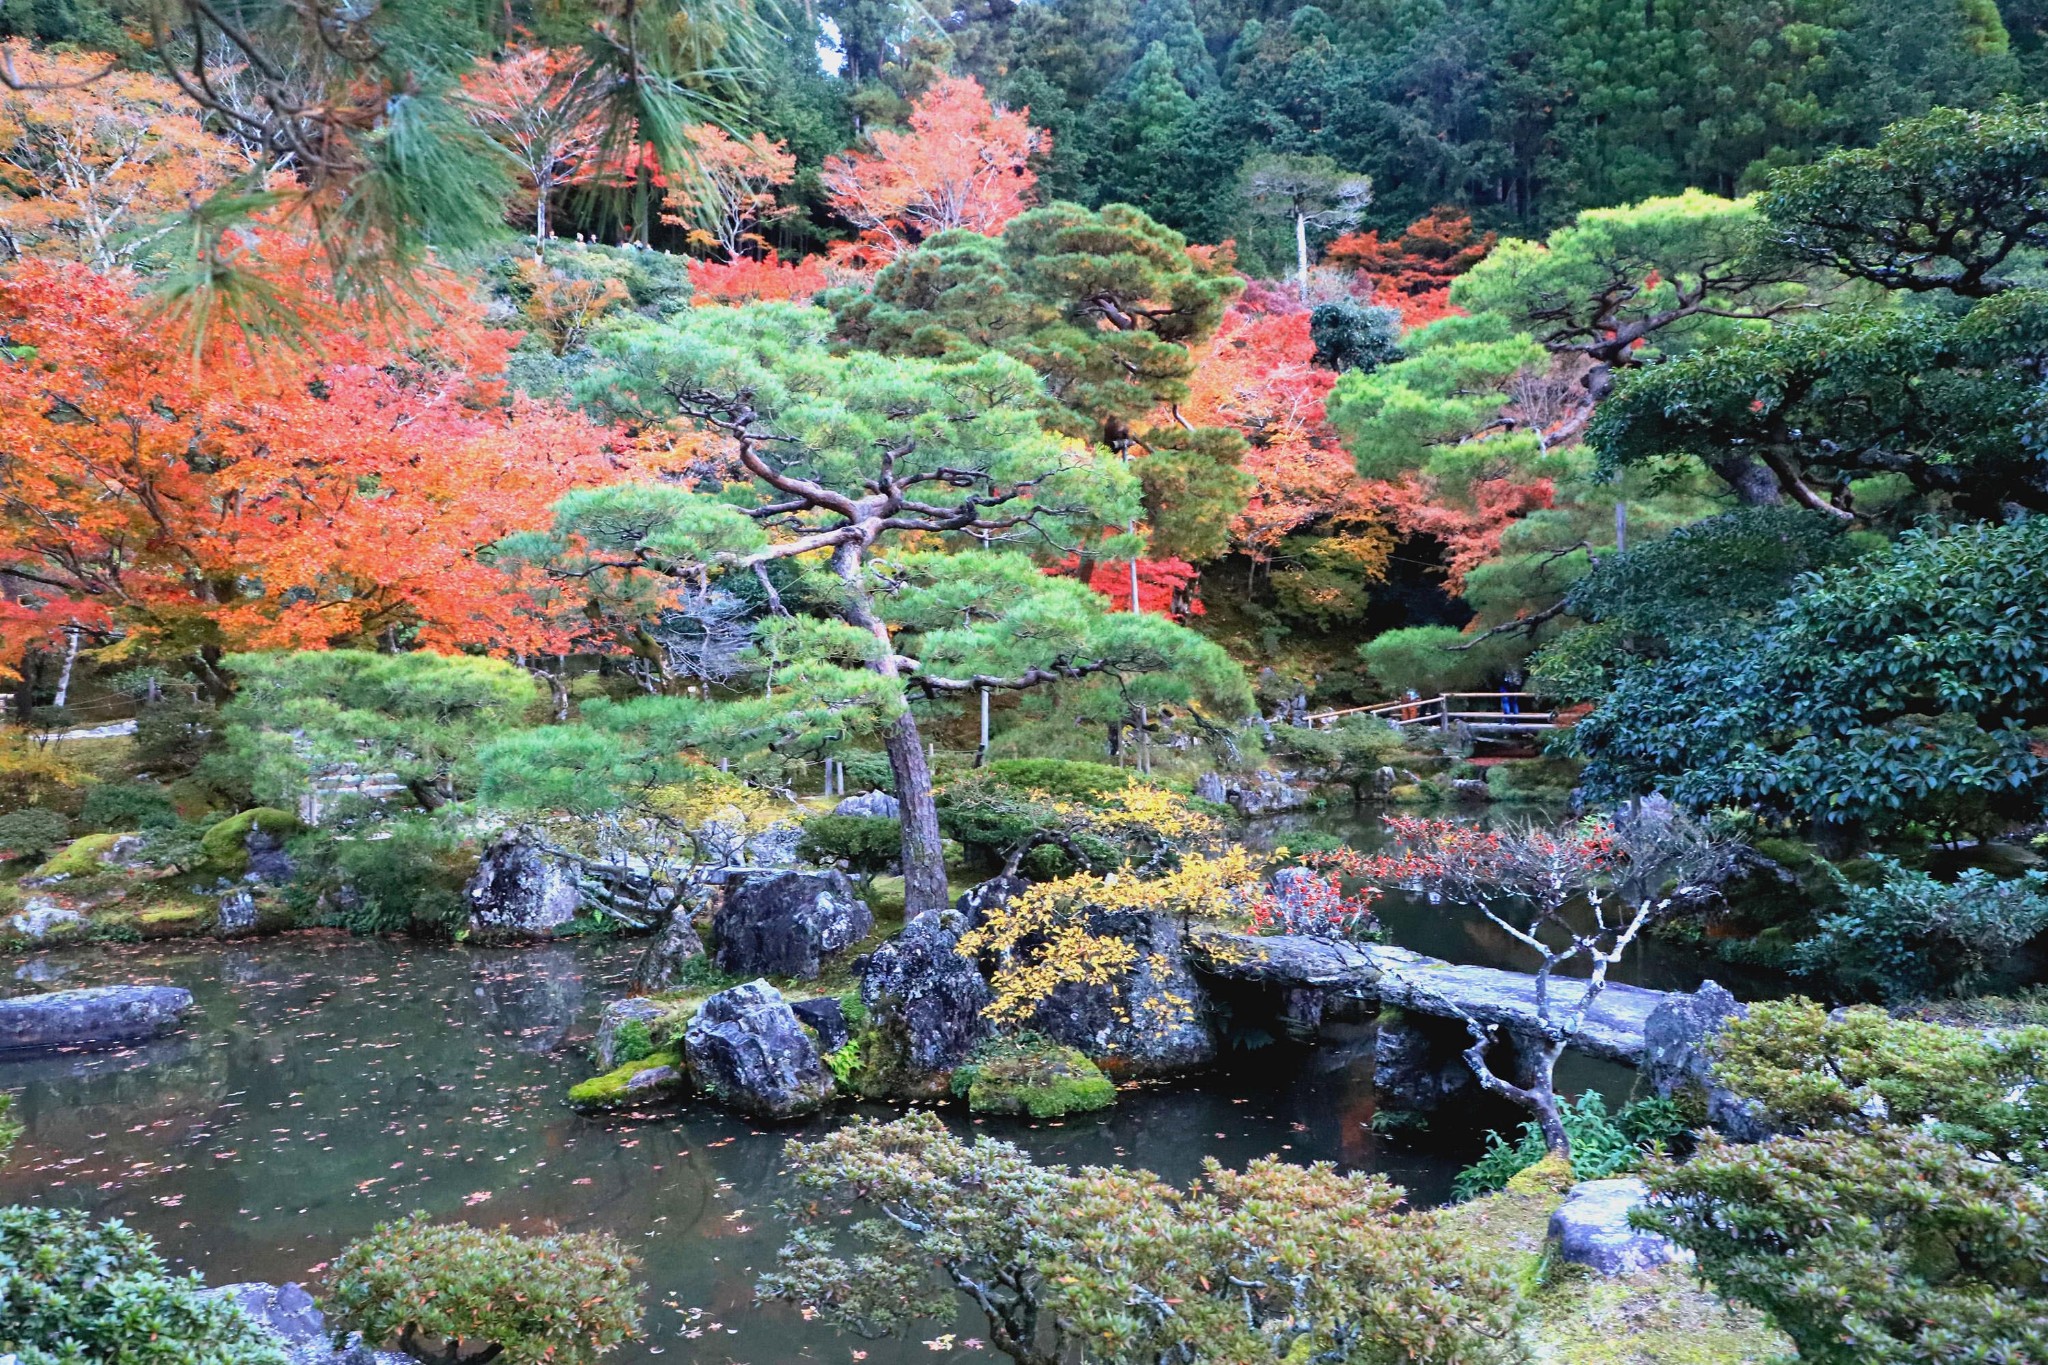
x: 97, y: 1016
x: 924, y: 1003
x: 788, y: 923
x: 521, y: 890
x: 1678, y: 1062
x: 1154, y: 1021
x: 747, y: 1051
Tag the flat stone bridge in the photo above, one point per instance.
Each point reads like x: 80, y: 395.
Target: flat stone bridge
x: 1324, y: 968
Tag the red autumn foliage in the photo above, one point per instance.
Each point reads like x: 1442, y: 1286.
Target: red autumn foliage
x: 1166, y: 587
x: 748, y: 280
x: 1313, y: 901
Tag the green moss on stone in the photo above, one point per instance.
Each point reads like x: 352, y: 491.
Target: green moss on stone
x: 612, y: 1087
x: 79, y: 858
x: 1029, y: 1076
x: 225, y: 846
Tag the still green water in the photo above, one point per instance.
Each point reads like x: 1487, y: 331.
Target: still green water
x: 325, y: 1083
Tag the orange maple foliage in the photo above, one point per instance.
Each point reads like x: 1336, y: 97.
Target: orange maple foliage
x: 747, y: 280
x: 962, y: 164
x: 1414, y: 271
x: 97, y: 172
x: 733, y: 191
x: 266, y: 501
x: 529, y: 104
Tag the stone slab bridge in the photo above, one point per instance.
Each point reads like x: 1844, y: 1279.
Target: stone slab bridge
x: 1309, y: 975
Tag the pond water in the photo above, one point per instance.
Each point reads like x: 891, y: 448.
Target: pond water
x: 325, y: 1083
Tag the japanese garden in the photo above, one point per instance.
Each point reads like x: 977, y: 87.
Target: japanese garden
x: 1085, y: 682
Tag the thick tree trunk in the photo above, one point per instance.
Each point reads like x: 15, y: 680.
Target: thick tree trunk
x: 924, y: 861
x: 1753, y: 482
x: 1301, y: 252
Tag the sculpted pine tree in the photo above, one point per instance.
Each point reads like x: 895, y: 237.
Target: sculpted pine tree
x: 847, y: 474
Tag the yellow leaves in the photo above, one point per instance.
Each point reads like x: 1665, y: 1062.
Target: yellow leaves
x: 1042, y: 940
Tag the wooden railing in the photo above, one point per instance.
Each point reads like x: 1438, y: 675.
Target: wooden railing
x: 1486, y: 712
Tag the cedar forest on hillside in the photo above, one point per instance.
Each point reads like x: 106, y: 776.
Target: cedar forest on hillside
x: 623, y: 428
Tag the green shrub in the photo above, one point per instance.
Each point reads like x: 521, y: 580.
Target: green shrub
x: 224, y: 847
x: 32, y: 832
x: 868, y: 843
x: 845, y: 1062
x: 1886, y: 1248
x: 127, y: 806
x: 1030, y: 1075
x: 1060, y: 778
x: 75, y: 1291
x: 410, y: 881
x: 1603, y: 1145
x: 565, y: 1299
x: 632, y: 1042
x: 1805, y: 1068
x: 1911, y: 937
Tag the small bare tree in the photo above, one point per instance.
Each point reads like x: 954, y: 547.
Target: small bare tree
x: 1579, y: 896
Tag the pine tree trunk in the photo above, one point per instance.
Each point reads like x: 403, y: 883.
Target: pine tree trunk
x: 924, y: 860
x: 1301, y: 251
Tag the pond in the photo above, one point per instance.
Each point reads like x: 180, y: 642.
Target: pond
x: 326, y: 1083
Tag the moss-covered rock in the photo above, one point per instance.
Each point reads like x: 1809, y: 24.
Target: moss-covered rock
x: 225, y: 846
x: 1027, y: 1076
x: 1532, y: 779
x: 80, y: 858
x: 656, y: 1075
x: 176, y: 915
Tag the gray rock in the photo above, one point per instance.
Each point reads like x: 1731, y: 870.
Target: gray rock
x: 654, y: 1080
x: 237, y: 913
x: 677, y: 945
x: 1153, y: 1022
x: 1209, y: 787
x: 775, y: 846
x: 619, y: 1012
x: 827, y: 1018
x: 975, y: 902
x: 287, y: 1310
x: 41, y: 917
x: 520, y: 890
x: 1592, y: 1229
x: 874, y: 805
x: 268, y: 862
x: 289, y: 1313
x: 1678, y: 1060
x: 1260, y: 792
x: 787, y: 923
x: 747, y: 1051
x: 97, y: 1016
x: 1470, y: 789
x: 924, y: 1003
